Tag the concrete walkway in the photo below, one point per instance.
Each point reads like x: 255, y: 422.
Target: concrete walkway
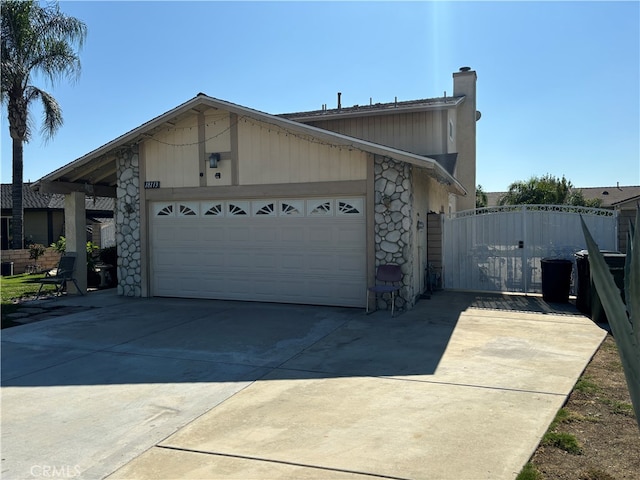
x: 461, y: 387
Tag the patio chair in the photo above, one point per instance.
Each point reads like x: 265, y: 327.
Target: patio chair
x: 64, y: 274
x: 388, y: 278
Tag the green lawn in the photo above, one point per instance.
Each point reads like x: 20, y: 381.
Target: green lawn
x: 15, y: 287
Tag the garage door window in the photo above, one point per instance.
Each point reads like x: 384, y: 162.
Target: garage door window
x: 262, y: 208
x: 350, y: 206
x: 319, y: 207
x: 237, y: 209
x: 292, y: 208
x: 188, y: 210
x: 215, y: 210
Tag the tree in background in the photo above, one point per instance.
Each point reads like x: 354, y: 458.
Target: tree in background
x: 36, y: 41
x: 481, y: 197
x: 546, y: 190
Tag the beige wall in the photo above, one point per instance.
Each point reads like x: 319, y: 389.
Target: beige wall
x: 172, y: 155
x: 422, y: 133
x: 266, y: 154
x: 217, y: 139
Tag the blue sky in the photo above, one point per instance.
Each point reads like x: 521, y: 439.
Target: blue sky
x: 558, y: 83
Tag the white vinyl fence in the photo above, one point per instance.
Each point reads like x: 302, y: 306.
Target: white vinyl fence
x: 500, y: 248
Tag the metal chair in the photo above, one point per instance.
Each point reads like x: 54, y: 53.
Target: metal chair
x: 64, y: 274
x: 388, y: 278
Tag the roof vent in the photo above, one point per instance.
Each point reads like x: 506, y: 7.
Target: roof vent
x: 465, y: 69
x: 605, y: 193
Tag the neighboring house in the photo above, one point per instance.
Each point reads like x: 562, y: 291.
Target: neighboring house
x: 44, y: 215
x: 626, y: 215
x: 611, y: 196
x: 216, y: 200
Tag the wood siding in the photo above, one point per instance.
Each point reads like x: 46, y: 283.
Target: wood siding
x: 217, y: 139
x: 171, y: 156
x: 419, y: 132
x: 253, y: 153
x: 269, y: 154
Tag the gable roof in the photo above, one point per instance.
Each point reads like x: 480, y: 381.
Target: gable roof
x: 95, y: 173
x: 32, y: 200
x: 611, y: 195
x: 632, y: 201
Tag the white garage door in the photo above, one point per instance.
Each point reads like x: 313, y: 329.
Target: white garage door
x: 294, y: 251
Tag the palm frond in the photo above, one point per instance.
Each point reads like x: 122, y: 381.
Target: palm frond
x: 57, y: 60
x: 37, y: 40
x: 52, y: 112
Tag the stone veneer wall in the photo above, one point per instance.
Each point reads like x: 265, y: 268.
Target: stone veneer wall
x: 128, y: 224
x: 393, y: 225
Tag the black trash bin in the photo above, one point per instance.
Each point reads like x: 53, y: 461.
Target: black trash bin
x: 587, y: 299
x: 7, y: 269
x: 556, y: 279
x: 583, y: 281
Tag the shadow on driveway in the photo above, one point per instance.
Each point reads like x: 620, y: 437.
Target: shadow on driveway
x: 175, y: 340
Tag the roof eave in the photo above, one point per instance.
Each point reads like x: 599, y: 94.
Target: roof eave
x: 318, y: 115
x: 131, y: 137
x: 437, y: 171
x: 135, y: 135
x: 635, y: 198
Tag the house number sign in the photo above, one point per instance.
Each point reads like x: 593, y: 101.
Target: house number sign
x: 152, y: 184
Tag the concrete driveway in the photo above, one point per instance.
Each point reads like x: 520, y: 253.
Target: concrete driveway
x: 461, y: 387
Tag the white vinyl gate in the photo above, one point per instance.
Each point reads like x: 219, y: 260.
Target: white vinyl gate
x: 500, y: 248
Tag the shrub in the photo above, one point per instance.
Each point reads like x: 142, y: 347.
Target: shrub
x: 36, y: 250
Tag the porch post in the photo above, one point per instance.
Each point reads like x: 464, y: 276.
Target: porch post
x: 76, y: 237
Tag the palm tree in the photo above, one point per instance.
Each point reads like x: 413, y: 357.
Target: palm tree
x: 36, y: 40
